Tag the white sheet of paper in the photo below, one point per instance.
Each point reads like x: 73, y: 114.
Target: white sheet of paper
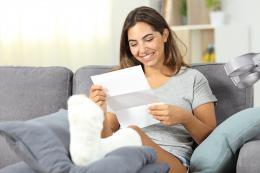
x: 128, y: 94
x: 125, y: 101
x: 135, y: 116
x: 123, y: 81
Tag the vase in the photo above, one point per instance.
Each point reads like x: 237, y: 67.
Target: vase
x: 217, y: 18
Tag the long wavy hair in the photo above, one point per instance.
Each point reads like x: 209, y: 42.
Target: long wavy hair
x: 173, y: 58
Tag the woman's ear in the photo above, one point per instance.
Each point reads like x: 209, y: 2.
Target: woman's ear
x: 165, y: 35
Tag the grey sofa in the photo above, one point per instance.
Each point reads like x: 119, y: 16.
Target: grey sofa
x: 30, y: 92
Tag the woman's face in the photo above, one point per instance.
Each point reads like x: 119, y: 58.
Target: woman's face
x: 147, y: 45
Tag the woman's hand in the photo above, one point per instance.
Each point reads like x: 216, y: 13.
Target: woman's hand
x: 169, y: 114
x: 97, y: 94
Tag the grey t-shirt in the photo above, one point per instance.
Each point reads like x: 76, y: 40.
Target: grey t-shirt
x: 188, y: 89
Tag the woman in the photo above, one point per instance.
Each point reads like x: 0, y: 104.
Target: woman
x: 187, y: 113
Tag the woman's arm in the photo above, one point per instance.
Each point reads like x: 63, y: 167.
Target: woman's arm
x: 202, y: 123
x: 110, y: 125
x: 199, y: 124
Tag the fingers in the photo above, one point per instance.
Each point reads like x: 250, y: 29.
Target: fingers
x: 97, y: 97
x: 161, y: 115
x: 97, y: 94
x: 95, y: 87
x: 159, y: 110
x: 165, y: 120
x: 161, y: 118
x: 100, y: 103
x: 159, y: 106
x: 97, y: 90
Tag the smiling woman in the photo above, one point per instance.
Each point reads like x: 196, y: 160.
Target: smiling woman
x: 147, y: 44
x: 54, y: 32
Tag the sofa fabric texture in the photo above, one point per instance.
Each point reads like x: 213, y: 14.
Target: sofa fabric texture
x: 30, y: 92
x: 251, y: 151
x: 81, y: 80
x: 27, y: 92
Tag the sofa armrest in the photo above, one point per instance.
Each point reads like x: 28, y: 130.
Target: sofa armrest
x: 249, y: 157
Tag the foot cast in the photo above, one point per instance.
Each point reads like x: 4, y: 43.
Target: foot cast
x: 86, y: 123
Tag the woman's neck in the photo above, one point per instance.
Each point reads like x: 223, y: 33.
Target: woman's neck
x: 154, y: 72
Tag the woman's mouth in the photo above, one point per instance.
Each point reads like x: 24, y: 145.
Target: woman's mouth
x: 148, y: 57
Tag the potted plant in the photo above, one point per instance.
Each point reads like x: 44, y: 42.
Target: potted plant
x: 183, y: 11
x: 216, y: 13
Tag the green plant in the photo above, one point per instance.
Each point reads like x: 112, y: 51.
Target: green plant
x: 183, y: 8
x: 213, y: 5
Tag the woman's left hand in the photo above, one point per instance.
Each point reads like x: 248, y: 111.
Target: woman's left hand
x: 169, y: 114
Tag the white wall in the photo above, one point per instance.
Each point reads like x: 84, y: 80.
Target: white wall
x: 74, y: 34
x: 70, y: 33
x: 246, y: 12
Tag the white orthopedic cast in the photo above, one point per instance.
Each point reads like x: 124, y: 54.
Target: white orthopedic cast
x: 86, y: 123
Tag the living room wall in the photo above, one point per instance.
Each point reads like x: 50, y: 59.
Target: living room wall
x: 74, y: 33
x: 70, y: 33
x: 246, y: 12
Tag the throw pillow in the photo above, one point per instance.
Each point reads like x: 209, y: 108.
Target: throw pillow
x: 39, y: 143
x: 20, y: 167
x: 58, y: 123
x: 37, y: 146
x: 219, y: 151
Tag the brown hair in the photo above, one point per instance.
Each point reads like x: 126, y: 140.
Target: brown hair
x: 173, y: 58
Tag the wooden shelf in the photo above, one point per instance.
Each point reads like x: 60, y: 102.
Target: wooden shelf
x: 198, y: 34
x: 197, y: 12
x: 197, y: 38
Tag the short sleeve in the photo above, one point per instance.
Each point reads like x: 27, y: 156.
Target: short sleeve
x: 202, y: 93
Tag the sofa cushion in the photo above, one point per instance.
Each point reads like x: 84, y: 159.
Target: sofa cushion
x: 142, y: 157
x: 58, y: 123
x: 248, y: 160
x: 219, y: 151
x: 39, y: 143
x: 36, y: 145
x: 20, y: 167
x: 29, y: 92
x: 42, y: 151
x: 81, y: 79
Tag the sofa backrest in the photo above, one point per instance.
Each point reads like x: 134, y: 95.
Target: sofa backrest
x: 82, y: 81
x: 230, y: 98
x: 29, y: 92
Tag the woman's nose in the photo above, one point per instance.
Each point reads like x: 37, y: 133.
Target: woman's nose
x: 142, y: 49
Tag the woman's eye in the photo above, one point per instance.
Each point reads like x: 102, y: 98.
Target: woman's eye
x: 149, y: 39
x: 132, y: 45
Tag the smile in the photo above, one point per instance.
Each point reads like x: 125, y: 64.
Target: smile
x: 148, y: 57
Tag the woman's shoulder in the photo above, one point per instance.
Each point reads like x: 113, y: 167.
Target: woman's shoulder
x: 191, y: 75
x: 188, y: 71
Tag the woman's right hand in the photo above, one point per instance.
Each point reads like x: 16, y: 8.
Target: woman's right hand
x: 98, y: 95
